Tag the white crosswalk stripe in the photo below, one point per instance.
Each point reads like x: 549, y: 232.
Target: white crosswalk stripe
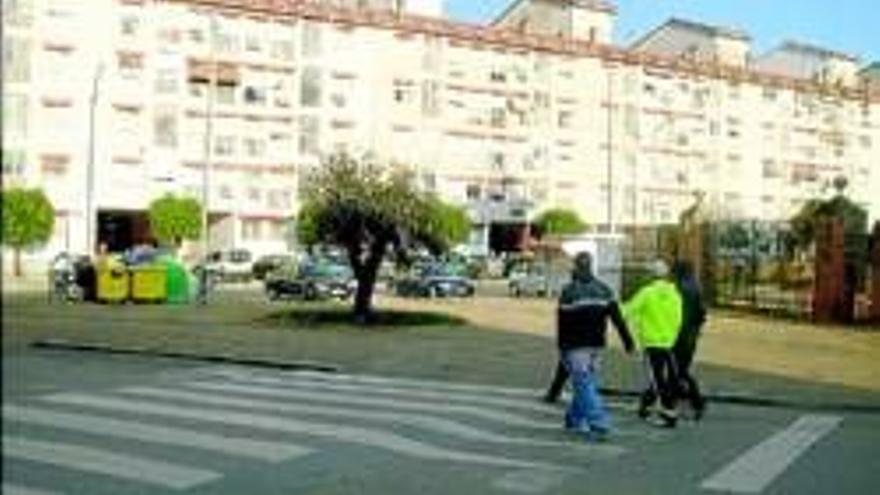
x: 428, y: 422
x: 13, y: 489
x: 100, y: 425
x: 466, y: 397
x: 315, y: 392
x: 115, y: 464
x: 370, y: 437
x: 226, y: 411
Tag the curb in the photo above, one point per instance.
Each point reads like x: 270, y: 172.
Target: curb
x: 726, y: 398
x: 754, y: 401
x: 64, y: 345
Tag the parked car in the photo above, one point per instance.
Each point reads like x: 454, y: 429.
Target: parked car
x: 534, y: 280
x: 230, y: 265
x: 436, y: 280
x: 311, y: 281
x: 269, y: 263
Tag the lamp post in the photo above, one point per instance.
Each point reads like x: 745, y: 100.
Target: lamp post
x: 609, y: 169
x: 90, y: 164
x: 206, y: 166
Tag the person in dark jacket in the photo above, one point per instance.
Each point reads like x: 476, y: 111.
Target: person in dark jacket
x: 585, y: 306
x: 693, y: 317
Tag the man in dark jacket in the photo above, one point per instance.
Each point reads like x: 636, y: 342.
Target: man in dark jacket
x: 585, y: 306
x: 693, y: 317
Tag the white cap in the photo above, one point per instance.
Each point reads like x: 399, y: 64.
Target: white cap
x: 658, y: 268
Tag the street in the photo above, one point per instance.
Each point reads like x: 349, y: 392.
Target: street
x: 96, y: 424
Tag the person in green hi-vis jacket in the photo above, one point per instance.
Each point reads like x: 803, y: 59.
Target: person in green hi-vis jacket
x: 655, y: 314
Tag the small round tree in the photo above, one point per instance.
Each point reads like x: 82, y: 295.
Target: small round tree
x: 559, y: 221
x: 174, y: 219
x: 28, y: 220
x: 368, y: 211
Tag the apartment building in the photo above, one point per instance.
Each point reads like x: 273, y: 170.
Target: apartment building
x: 107, y: 105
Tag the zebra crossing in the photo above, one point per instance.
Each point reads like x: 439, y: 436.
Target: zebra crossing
x: 161, y: 436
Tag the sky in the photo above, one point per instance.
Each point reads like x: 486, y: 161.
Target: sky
x: 850, y: 26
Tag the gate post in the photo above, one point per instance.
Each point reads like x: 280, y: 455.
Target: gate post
x: 828, y: 278
x: 875, y: 275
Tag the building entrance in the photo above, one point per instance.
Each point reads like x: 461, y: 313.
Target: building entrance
x: 121, y: 230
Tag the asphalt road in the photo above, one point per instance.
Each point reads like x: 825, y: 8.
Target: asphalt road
x: 93, y: 424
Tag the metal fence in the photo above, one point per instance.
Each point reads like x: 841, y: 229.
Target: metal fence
x: 752, y: 265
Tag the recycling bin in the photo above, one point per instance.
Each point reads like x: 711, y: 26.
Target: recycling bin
x: 149, y: 283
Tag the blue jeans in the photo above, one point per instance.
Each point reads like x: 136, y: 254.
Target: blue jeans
x: 586, y: 411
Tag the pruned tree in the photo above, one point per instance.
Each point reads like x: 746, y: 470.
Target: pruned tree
x: 559, y: 221
x: 174, y: 219
x: 369, y: 211
x: 28, y: 221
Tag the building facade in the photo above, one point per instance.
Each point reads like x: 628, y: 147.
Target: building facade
x: 107, y: 105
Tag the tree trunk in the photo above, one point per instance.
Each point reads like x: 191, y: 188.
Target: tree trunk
x: 366, y: 276
x: 17, y: 262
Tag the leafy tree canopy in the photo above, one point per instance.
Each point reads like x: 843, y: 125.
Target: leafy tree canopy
x: 28, y: 220
x: 559, y: 221
x: 368, y: 210
x: 173, y: 219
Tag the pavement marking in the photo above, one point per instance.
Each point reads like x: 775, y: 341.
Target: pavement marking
x: 754, y: 470
x: 13, y: 489
x: 366, y: 398
x: 114, y: 464
x: 505, y: 402
x: 371, y: 437
x: 528, y: 481
x: 102, y: 425
x: 427, y: 422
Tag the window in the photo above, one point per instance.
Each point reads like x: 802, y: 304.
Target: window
x: 226, y: 192
x: 15, y: 113
x: 128, y: 24
x: 309, y: 129
x: 224, y: 145
x: 251, y: 229
x: 227, y: 42
x: 254, y: 147
x: 564, y: 119
x: 311, y: 42
x: 338, y: 100
x: 473, y: 192
x: 497, y: 76
x: 129, y: 65
x: 18, y: 12
x: 16, y: 59
x: 165, y: 128
x: 254, y: 95
x: 198, y: 89
x: 430, y: 90
x: 498, y: 117
x: 769, y: 94
x: 252, y: 43
x: 166, y: 81
x: 310, y: 89
x: 226, y: 94
x: 196, y: 35
x: 496, y: 160
x: 283, y: 50
x: 14, y: 161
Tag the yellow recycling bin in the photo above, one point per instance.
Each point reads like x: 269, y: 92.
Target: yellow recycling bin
x: 149, y: 283
x: 113, y: 284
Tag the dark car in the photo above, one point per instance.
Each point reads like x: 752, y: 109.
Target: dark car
x: 436, y: 280
x: 311, y: 281
x: 269, y: 263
